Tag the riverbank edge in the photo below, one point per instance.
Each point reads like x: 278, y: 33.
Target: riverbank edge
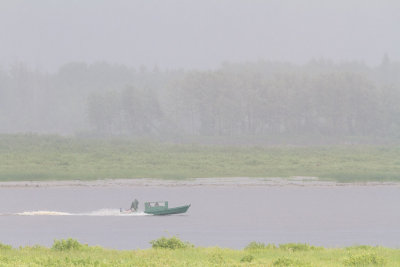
x: 174, y: 252
x: 299, y: 181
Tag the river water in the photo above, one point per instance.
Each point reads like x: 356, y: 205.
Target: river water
x: 226, y: 216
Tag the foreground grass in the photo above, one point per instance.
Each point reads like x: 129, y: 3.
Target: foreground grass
x: 32, y: 157
x: 71, y: 253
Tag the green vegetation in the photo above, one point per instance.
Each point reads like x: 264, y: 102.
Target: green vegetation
x: 32, y: 157
x: 170, y: 243
x: 67, y: 244
x: 365, y: 259
x: 71, y: 253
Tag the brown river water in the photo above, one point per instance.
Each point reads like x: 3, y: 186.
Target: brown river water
x: 226, y: 216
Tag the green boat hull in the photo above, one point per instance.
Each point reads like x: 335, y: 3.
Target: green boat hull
x: 168, y: 211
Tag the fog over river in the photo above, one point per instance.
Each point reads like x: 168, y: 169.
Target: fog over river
x: 226, y: 216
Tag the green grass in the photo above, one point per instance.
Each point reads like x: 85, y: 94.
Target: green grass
x: 72, y: 253
x: 33, y: 157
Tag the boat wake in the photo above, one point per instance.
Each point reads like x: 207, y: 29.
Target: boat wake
x: 112, y: 212
x: 101, y: 212
x: 42, y: 212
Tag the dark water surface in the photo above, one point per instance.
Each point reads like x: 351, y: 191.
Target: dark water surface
x: 226, y: 216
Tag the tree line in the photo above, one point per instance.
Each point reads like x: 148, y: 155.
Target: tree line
x: 237, y: 99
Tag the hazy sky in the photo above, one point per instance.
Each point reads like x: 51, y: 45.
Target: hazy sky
x: 196, y: 34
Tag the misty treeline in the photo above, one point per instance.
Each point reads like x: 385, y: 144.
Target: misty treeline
x: 238, y: 99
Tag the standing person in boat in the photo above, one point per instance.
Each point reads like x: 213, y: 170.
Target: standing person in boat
x: 134, y: 205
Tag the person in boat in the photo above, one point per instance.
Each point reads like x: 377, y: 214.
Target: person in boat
x: 134, y: 205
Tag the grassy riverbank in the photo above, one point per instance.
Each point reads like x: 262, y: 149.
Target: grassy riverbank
x: 173, y: 252
x: 31, y: 157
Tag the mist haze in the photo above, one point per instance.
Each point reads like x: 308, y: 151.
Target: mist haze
x: 260, y: 130
x: 196, y: 34
x: 205, y: 68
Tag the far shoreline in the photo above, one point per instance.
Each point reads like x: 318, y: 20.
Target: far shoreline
x: 297, y: 181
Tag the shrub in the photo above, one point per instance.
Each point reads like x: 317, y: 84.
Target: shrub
x: 258, y: 245
x: 170, y: 243
x: 37, y: 247
x: 360, y: 247
x: 255, y: 245
x: 283, y: 261
x: 247, y: 258
x: 217, y: 259
x: 289, y: 262
x: 2, y: 246
x: 365, y: 259
x: 67, y: 244
x: 298, y: 247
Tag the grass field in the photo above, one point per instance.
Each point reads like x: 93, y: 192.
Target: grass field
x: 173, y: 252
x: 33, y: 157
